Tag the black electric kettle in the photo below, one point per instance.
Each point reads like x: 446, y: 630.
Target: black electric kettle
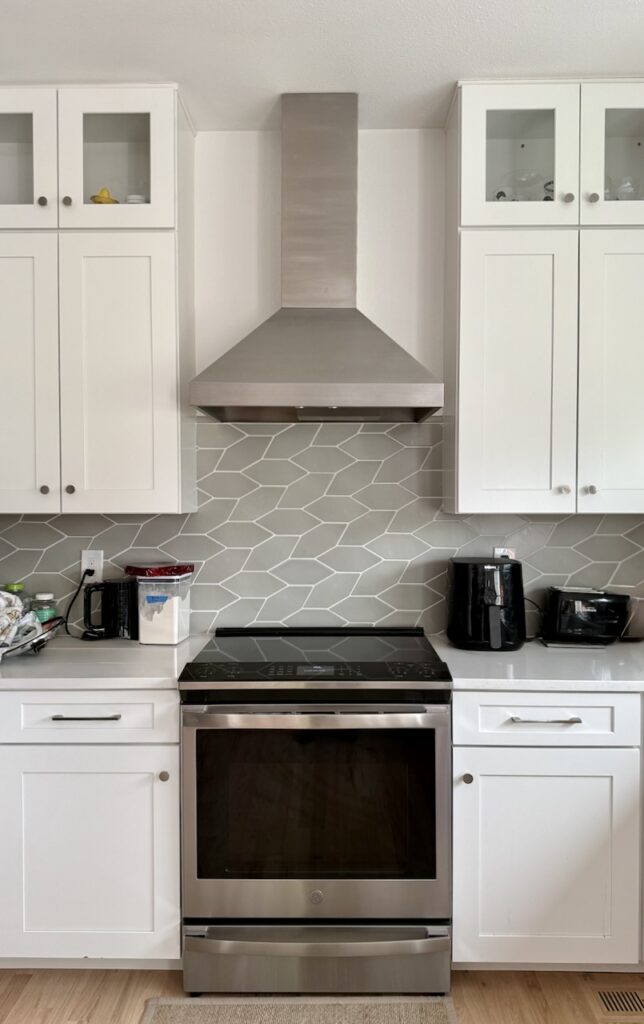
x: 117, y: 611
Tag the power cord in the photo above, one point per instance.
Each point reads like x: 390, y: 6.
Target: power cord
x: 85, y: 635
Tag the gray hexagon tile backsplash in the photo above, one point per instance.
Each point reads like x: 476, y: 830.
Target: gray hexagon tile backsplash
x: 322, y: 524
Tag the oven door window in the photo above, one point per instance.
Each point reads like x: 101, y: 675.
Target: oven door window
x: 316, y: 803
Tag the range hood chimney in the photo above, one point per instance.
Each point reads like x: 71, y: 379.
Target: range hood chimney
x: 318, y: 358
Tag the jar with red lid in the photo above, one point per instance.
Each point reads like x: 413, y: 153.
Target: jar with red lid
x: 164, y: 601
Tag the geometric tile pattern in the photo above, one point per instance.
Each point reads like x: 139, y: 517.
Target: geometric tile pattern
x: 322, y: 524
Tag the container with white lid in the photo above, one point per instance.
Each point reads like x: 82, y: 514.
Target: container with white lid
x: 164, y: 601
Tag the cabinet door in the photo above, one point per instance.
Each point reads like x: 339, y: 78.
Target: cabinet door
x: 28, y: 183
x: 120, y: 139
x: 612, y: 153
x: 519, y: 154
x: 546, y: 856
x: 611, y: 372
x: 29, y: 455
x: 516, y: 436
x: 119, y: 375
x: 90, y: 861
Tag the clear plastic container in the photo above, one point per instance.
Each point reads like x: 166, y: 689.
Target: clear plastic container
x: 164, y: 602
x: 44, y: 607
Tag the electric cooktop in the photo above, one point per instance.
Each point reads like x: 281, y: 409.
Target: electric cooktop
x: 325, y: 654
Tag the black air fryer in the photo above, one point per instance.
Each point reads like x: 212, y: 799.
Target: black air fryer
x: 485, y: 609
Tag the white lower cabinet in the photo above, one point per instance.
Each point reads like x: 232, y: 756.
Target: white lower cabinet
x: 546, y: 855
x: 90, y: 851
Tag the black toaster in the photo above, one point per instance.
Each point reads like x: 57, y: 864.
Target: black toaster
x: 573, y: 616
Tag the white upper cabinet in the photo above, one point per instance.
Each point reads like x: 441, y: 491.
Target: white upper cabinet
x: 119, y: 373
x: 612, y: 153
x: 29, y: 456
x: 517, y: 372
x: 611, y: 371
x: 520, y: 154
x: 28, y: 173
x: 121, y: 139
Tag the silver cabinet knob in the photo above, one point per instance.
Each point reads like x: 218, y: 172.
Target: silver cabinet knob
x: 468, y: 779
x: 70, y: 489
x: 593, y: 197
x: 42, y: 200
x: 564, y: 489
x: 569, y: 197
x: 44, y: 489
x: 164, y: 776
x: 67, y: 200
x: 592, y: 489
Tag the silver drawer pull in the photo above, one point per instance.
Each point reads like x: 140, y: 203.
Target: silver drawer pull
x: 86, y: 718
x: 239, y: 947
x: 516, y: 720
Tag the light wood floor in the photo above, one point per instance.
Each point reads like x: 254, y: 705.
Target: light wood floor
x: 118, y: 997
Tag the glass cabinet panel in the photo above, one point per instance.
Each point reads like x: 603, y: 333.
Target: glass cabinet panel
x: 28, y: 158
x: 116, y: 158
x: 624, y: 154
x: 612, y: 153
x: 520, y: 156
x: 519, y: 159
x: 16, y: 159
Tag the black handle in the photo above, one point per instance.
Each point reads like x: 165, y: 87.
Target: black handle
x: 494, y: 623
x: 42, y: 200
x: 90, y: 625
x: 67, y: 200
x: 86, y: 718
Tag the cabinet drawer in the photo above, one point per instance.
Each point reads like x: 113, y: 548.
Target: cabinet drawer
x: 95, y: 717
x: 549, y: 720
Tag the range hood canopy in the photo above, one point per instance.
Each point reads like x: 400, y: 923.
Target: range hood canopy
x: 318, y: 358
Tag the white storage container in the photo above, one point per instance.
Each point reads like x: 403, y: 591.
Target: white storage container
x: 164, y: 602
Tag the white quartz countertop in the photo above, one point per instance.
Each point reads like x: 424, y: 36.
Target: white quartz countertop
x: 619, y: 667
x: 68, y: 664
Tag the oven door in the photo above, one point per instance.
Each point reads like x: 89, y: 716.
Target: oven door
x: 330, y: 811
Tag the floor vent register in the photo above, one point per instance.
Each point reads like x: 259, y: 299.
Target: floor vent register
x: 621, y: 1002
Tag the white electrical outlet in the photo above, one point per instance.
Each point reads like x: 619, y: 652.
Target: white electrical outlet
x: 92, y: 560
x: 505, y: 553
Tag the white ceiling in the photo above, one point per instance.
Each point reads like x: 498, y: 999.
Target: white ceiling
x: 232, y: 58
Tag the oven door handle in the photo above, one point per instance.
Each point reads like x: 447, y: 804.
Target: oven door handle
x: 246, y: 947
x: 328, y: 717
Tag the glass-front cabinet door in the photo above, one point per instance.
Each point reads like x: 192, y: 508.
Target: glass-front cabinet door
x: 116, y: 157
x: 520, y: 154
x: 28, y: 158
x: 612, y: 153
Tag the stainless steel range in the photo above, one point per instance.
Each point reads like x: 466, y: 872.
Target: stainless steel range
x: 316, y: 812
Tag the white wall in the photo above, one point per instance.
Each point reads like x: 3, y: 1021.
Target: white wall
x: 400, y: 237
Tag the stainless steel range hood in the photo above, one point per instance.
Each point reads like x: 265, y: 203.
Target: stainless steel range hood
x: 318, y: 357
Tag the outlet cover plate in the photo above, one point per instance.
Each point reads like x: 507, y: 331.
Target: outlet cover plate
x: 92, y: 560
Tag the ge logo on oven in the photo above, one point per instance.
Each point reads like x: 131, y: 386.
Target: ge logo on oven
x: 316, y: 896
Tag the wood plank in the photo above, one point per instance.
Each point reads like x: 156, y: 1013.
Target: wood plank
x: 481, y: 997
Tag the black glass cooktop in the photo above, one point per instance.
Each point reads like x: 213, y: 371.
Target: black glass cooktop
x: 322, y: 654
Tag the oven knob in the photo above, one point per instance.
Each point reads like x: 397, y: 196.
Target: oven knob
x: 316, y: 896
